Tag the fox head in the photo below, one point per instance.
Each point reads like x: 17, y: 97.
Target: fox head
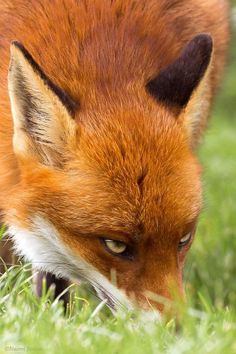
x: 109, y: 195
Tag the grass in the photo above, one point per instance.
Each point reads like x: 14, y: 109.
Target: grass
x: 208, y: 324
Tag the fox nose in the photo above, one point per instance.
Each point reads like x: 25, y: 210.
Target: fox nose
x: 168, y: 302
x: 166, y: 295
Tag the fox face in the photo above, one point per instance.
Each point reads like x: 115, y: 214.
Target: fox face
x: 109, y: 195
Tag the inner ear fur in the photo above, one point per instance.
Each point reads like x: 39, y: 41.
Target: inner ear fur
x: 42, y: 112
x: 176, y: 83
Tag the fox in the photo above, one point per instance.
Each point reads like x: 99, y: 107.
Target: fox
x: 103, y: 105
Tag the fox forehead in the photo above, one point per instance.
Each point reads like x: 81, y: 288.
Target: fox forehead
x: 143, y: 162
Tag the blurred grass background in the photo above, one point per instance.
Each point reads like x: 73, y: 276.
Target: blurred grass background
x: 211, y: 267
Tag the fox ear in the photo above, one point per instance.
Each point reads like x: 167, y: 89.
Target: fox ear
x: 175, y: 84
x: 42, y: 113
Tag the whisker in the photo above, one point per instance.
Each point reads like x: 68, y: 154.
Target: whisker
x: 109, y: 295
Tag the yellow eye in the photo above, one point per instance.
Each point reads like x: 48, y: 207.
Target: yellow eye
x: 116, y: 247
x: 185, y: 240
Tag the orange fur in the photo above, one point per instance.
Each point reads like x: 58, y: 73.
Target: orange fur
x: 101, y: 52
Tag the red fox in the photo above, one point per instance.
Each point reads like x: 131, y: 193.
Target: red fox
x: 102, y: 107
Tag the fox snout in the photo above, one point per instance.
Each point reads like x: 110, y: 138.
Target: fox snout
x: 163, y: 302
x: 153, y: 289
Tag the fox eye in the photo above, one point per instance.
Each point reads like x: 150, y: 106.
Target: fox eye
x: 116, y: 247
x: 119, y: 249
x: 185, y: 240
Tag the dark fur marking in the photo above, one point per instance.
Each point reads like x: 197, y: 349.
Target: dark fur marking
x: 70, y: 105
x: 175, y: 84
x: 141, y: 228
x: 141, y: 179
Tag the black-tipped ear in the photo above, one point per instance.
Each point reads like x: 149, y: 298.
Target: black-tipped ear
x: 66, y: 101
x: 42, y: 112
x: 175, y: 84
